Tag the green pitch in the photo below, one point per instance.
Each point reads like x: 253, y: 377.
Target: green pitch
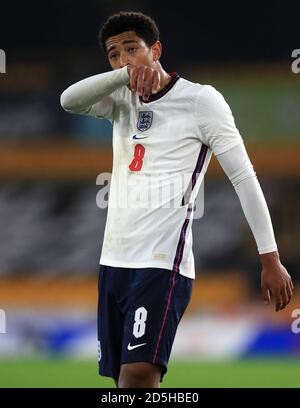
x: 73, y: 373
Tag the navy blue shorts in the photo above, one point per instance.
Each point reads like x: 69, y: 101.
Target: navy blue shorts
x: 138, y: 314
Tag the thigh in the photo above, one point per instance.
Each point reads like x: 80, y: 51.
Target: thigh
x: 110, y: 325
x: 157, y: 301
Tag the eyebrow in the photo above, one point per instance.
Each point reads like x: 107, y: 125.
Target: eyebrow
x: 123, y: 42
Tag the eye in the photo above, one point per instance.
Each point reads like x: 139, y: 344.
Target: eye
x: 131, y: 49
x: 113, y: 56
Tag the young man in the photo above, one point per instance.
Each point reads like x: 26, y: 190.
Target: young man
x: 164, y: 127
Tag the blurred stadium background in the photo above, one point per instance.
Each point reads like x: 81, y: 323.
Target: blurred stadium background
x: 51, y: 229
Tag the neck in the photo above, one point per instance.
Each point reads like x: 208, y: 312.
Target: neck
x: 164, y: 76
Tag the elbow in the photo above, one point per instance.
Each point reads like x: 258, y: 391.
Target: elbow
x: 244, y: 174
x: 66, y: 102
x: 71, y: 104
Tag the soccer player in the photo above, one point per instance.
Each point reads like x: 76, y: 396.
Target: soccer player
x: 165, y: 129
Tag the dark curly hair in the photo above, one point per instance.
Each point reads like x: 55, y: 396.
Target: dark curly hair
x: 144, y: 27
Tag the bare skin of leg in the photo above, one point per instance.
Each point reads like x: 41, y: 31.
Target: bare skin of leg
x: 139, y: 375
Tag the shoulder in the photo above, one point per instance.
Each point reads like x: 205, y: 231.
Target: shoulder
x: 123, y: 95
x: 122, y: 99
x: 210, y: 97
x: 205, y: 96
x: 211, y: 103
x: 189, y: 87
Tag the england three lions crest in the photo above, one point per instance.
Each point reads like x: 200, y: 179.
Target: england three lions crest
x: 144, y: 120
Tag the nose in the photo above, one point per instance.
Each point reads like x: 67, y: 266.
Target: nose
x: 123, y: 59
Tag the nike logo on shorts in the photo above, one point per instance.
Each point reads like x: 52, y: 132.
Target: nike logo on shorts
x: 129, y: 347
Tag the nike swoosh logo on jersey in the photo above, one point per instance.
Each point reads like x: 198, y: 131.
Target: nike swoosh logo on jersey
x: 137, y: 138
x: 129, y: 347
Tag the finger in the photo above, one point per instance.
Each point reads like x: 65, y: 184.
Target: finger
x: 156, y: 80
x: 285, y: 297
x: 140, y: 81
x: 291, y: 282
x: 289, y: 291
x: 278, y: 299
x: 265, y: 294
x: 147, y: 87
x: 133, y: 78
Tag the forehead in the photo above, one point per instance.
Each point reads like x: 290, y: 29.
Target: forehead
x: 117, y: 40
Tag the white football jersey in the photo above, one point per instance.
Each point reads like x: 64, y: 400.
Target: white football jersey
x: 161, y: 150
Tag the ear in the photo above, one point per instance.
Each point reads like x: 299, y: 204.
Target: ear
x: 156, y: 49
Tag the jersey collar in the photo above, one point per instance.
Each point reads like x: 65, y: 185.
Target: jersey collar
x: 153, y: 97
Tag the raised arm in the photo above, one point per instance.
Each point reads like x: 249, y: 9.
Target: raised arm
x: 91, y: 96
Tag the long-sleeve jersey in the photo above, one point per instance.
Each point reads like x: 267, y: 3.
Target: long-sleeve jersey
x: 161, y: 150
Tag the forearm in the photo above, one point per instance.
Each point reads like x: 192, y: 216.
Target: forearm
x: 79, y: 97
x: 239, y: 170
x: 257, y: 214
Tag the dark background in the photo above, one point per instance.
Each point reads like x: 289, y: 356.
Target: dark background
x: 203, y: 31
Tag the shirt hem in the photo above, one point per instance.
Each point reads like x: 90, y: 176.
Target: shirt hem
x: 126, y: 264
